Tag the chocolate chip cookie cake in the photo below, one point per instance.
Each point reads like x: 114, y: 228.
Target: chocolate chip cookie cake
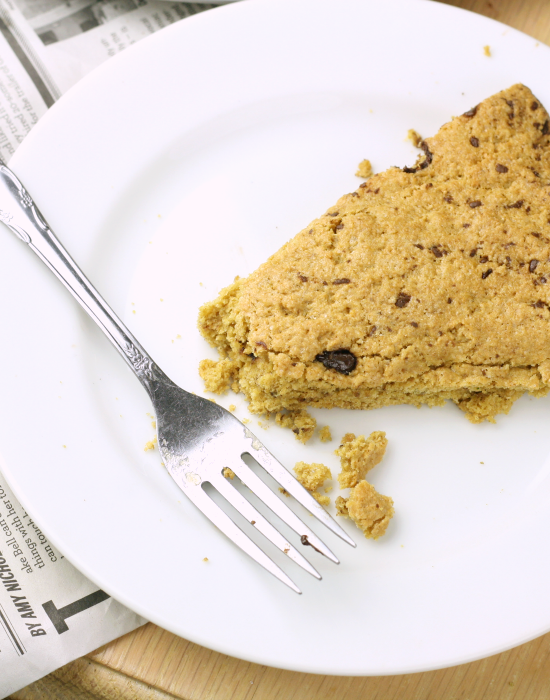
x: 429, y: 283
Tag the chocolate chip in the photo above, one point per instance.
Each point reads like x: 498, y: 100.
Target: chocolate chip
x: 449, y: 300
x: 538, y: 304
x: 501, y: 168
x: 418, y: 245
x: 542, y: 280
x: 515, y: 205
x: 372, y: 331
x: 466, y: 225
x: 333, y: 213
x: 310, y: 230
x: 474, y: 141
x: 473, y: 252
x: 414, y: 323
x: 475, y: 204
x: 429, y: 185
x: 425, y: 162
x: 483, y: 259
x: 533, y: 265
x: 354, y: 194
x: 377, y: 190
x: 342, y: 361
x: 536, y: 235
x: 340, y: 226
x: 429, y: 156
x: 545, y: 128
x: 437, y: 252
x: 261, y: 342
x: 342, y: 280
x: 362, y: 185
x: 486, y: 274
x: 534, y: 105
x: 471, y: 112
x: 448, y: 198
x: 303, y: 278
x: 402, y: 300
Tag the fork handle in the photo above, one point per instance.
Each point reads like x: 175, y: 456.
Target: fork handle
x: 19, y: 212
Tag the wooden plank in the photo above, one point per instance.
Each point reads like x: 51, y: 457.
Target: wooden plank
x: 151, y: 660
x: 529, y: 16
x: 190, y: 672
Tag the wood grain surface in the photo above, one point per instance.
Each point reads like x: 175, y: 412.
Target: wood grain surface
x: 152, y: 664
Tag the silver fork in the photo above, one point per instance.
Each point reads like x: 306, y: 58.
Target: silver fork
x: 197, y: 438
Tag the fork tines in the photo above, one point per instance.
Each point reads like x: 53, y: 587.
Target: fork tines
x: 248, y: 511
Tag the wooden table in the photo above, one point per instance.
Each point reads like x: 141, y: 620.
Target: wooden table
x: 152, y: 664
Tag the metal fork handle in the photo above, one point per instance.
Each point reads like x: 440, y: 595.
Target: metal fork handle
x: 20, y: 213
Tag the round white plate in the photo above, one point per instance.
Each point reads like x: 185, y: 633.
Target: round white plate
x: 183, y: 162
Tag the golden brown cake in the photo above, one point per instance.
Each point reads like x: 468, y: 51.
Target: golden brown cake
x: 359, y: 455
x: 428, y: 283
x: 369, y: 510
x: 312, y: 477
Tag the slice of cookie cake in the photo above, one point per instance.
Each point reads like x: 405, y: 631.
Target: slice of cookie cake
x: 428, y: 283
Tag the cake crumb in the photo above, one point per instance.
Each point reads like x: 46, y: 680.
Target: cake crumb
x: 487, y: 51
x: 232, y: 407
x: 369, y: 510
x: 217, y: 376
x: 312, y: 477
x: 324, y: 434
x: 359, y: 455
x: 364, y: 169
x: 205, y: 559
x: 341, y: 507
x: 149, y: 446
x: 228, y: 473
x: 414, y: 137
x: 323, y: 500
x: 300, y: 422
x: 284, y: 492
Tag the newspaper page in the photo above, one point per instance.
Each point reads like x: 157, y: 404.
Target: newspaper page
x: 46, y: 46
x: 51, y: 614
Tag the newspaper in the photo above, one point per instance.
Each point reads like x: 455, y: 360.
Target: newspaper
x: 51, y: 614
x: 46, y: 46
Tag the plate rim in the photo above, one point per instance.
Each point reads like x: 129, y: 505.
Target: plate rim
x: 24, y: 156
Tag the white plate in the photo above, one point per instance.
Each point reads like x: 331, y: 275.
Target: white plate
x: 169, y: 170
